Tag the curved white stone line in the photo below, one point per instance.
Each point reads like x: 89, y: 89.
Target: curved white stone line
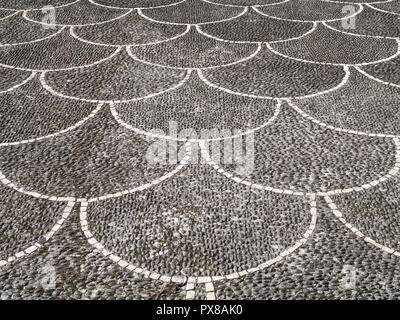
x: 357, y: 232
x: 393, y: 172
x: 65, y: 69
x: 381, y: 10
x: 75, y: 126
x: 19, y: 84
x: 239, y: 42
x: 294, y: 20
x: 67, y: 211
x: 376, y: 79
x: 198, y: 279
x: 192, y: 68
x: 122, y: 8
x: 179, y: 167
x: 52, y: 91
x: 337, y: 64
x: 128, y: 45
x: 33, y: 41
x: 9, y: 16
x: 74, y: 25
x: 348, y: 2
x: 360, y: 35
x: 323, y: 124
x: 166, y: 137
x: 55, y: 7
x: 140, y: 12
x: 241, y: 6
x: 341, y: 84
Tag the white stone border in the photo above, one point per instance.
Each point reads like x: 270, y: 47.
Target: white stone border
x: 241, y: 6
x: 192, y: 24
x: 341, y: 84
x: 155, y: 7
x: 198, y: 279
x: 127, y: 45
x: 33, y: 41
x: 33, y: 74
x: 340, y: 64
x: 357, y: 232
x: 361, y: 8
x: 24, y: 15
x: 9, y: 16
x: 381, y: 10
x: 337, y: 129
x: 39, y: 9
x: 64, y: 69
x: 52, y: 91
x: 117, y: 118
x: 365, y: 2
x: 393, y: 172
x: 376, y: 79
x: 67, y: 211
x: 191, y: 68
x: 75, y: 126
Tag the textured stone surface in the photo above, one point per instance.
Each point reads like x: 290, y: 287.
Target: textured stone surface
x: 102, y: 196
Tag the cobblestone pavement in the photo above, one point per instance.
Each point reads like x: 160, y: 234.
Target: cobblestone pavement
x: 89, y: 92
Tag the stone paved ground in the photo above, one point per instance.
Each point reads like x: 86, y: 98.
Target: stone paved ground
x: 88, y: 209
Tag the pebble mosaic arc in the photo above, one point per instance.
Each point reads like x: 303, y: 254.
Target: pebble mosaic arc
x: 84, y: 216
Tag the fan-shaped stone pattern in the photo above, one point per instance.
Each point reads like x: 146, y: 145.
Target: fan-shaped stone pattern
x: 393, y: 6
x: 98, y: 158
x: 362, y: 104
x: 11, y: 77
x: 120, y: 78
x: 24, y: 221
x: 256, y: 28
x: 192, y: 12
x: 246, y: 2
x: 61, y: 51
x: 270, y: 75
x: 29, y: 4
x: 200, y: 107
x: 373, y: 23
x: 328, y: 46
x: 309, y: 10
x: 296, y: 154
x: 386, y: 71
x: 129, y: 30
x: 193, y: 51
x: 375, y: 212
x: 30, y: 112
x: 137, y: 3
x: 333, y: 264
x: 82, y: 12
x: 16, y: 29
x: 204, y: 224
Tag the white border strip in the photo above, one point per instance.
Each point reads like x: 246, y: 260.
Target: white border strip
x: 33, y: 74
x: 155, y: 7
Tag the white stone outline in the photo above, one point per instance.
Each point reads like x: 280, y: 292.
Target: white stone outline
x: 341, y: 84
x: 376, y: 79
x: 241, y: 6
x: 24, y: 15
x: 52, y: 91
x: 258, y: 49
x: 361, y: 8
x: 361, y: 35
x: 39, y: 9
x: 127, y: 45
x: 392, y: 172
x: 66, y: 212
x: 11, y: 15
x: 260, y: 42
x: 341, y: 64
x: 121, y: 122
x: 49, y: 136
x: 381, y: 10
x: 337, y: 129
x: 198, y: 279
x: 33, y: 74
x: 64, y: 69
x: 191, y: 24
x: 348, y: 2
x: 111, y: 7
x: 357, y: 232
x: 33, y: 41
